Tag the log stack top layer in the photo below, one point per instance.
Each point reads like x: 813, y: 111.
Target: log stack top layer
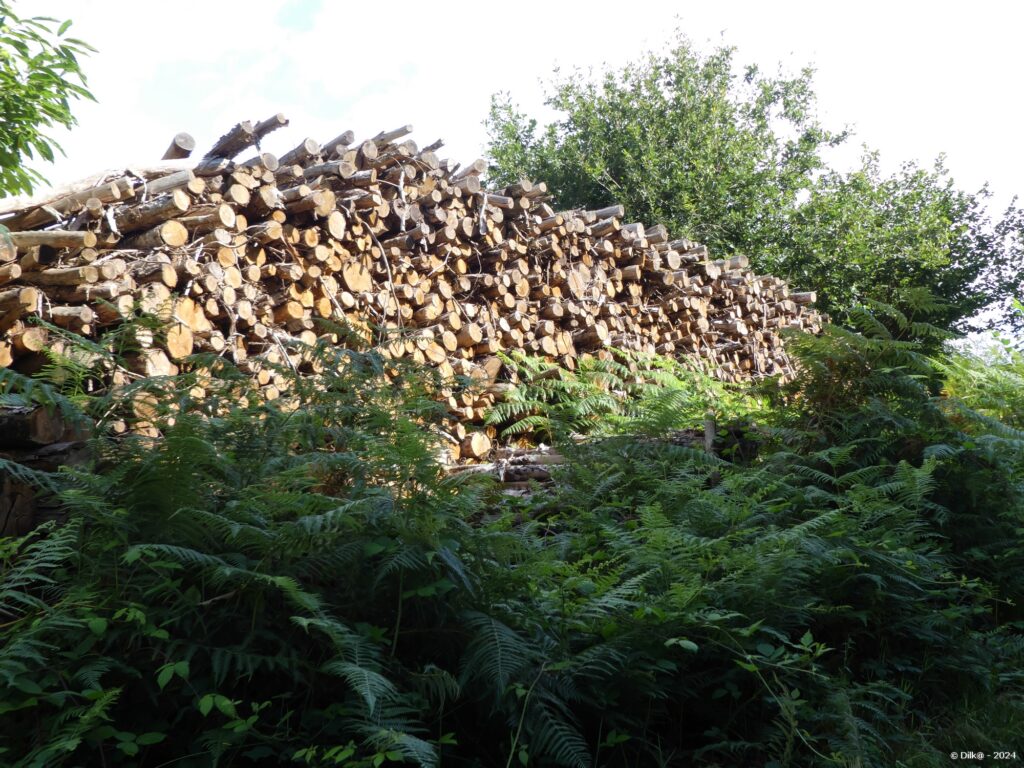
x: 241, y: 250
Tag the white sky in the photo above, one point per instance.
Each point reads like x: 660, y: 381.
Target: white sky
x: 912, y: 78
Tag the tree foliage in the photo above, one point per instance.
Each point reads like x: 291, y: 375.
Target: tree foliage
x: 863, y: 236
x: 677, y: 138
x: 738, y: 161
x: 39, y: 77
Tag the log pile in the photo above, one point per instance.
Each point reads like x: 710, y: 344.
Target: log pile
x: 40, y: 439
x: 242, y: 253
x: 519, y: 471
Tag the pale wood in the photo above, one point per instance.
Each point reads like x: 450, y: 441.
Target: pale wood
x: 303, y: 153
x: 145, y: 215
x: 366, y: 154
x: 170, y: 233
x: 469, y: 335
x: 155, y: 271
x: 387, y: 137
x: 239, y: 138
x: 181, y: 146
x: 183, y: 179
x: 69, y: 317
x: 64, y: 201
x: 113, y: 310
x: 339, y: 143
x: 239, y: 259
x: 55, y: 238
x: 356, y: 277
x: 152, y: 362
x: 65, y: 276
x: 8, y: 250
x: 476, y: 445
x: 179, y: 341
x: 19, y: 299
x: 28, y: 338
x: 220, y: 217
x: 9, y: 272
x: 272, y: 123
x: 475, y: 168
x: 344, y: 169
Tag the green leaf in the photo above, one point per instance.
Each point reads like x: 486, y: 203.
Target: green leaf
x: 97, y: 626
x: 614, y: 738
x: 682, y: 642
x: 152, y: 737
x: 372, y: 548
x: 206, y: 704
x: 340, y: 754
x: 28, y: 686
x: 131, y: 555
x: 164, y: 675
x: 225, y: 706
x: 6, y: 707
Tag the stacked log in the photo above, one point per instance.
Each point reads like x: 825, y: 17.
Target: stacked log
x: 519, y: 471
x: 242, y: 253
x: 40, y: 439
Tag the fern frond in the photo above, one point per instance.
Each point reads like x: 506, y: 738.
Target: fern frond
x: 371, y: 686
x: 495, y: 652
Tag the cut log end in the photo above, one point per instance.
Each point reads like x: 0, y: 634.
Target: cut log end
x: 181, y: 146
x: 476, y: 445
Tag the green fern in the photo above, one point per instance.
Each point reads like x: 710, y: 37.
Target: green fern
x: 273, y: 582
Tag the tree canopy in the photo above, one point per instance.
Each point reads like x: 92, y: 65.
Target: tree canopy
x: 39, y: 77
x: 738, y: 161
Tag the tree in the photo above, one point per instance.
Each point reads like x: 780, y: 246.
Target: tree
x: 1009, y: 232
x: 679, y: 139
x: 39, y: 76
x: 736, y: 162
x: 864, y: 236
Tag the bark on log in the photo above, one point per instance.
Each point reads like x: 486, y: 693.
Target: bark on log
x: 246, y: 259
x: 23, y: 427
x: 181, y: 146
x: 55, y: 238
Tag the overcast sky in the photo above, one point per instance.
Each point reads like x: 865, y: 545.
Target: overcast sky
x: 912, y: 79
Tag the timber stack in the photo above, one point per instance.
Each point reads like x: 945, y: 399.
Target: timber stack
x: 242, y: 253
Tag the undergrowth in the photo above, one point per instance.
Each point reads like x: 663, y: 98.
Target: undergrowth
x: 300, y: 582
